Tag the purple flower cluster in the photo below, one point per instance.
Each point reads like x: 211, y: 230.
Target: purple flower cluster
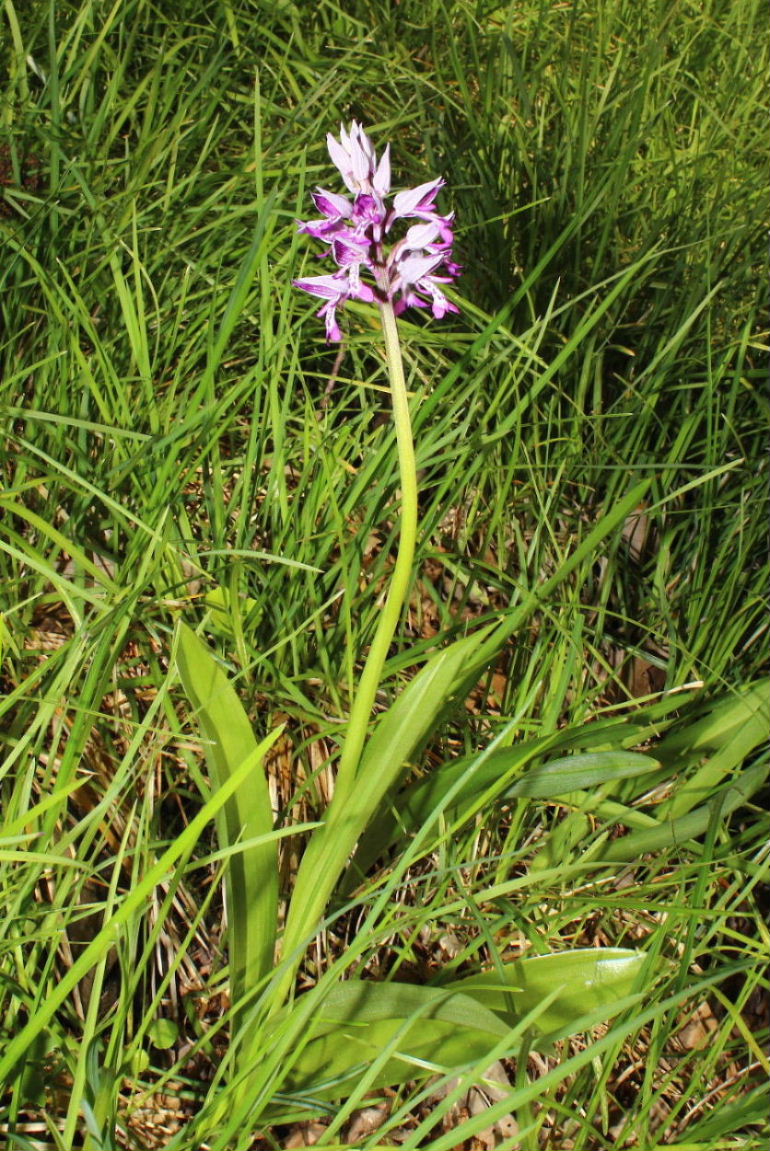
x: 355, y: 228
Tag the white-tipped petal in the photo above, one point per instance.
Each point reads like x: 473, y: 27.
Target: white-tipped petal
x: 420, y: 235
x: 417, y: 199
x: 381, y: 180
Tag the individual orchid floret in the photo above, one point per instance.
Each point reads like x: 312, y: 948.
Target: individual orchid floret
x: 355, y: 230
x: 419, y: 201
x: 414, y: 279
x: 335, y: 289
x: 336, y: 210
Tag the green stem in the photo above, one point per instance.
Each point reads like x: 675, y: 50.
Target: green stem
x: 363, y: 701
x: 320, y: 870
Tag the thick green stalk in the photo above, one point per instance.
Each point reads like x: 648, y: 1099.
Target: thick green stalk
x: 323, y: 861
x: 364, y: 698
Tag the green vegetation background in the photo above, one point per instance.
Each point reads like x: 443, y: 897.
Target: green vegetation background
x: 172, y: 448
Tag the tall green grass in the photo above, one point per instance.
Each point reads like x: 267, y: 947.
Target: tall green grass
x: 171, y: 452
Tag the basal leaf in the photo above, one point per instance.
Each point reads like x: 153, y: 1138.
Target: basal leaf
x: 360, y: 1020
x: 399, y: 731
x: 733, y: 726
x: 581, y: 772
x: 413, y: 1029
x: 472, y: 776
x: 252, y: 875
x: 588, y: 981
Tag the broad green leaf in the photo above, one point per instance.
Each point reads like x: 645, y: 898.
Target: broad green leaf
x: 439, y: 686
x: 458, y: 1023
x: 732, y: 728
x: 580, y: 772
x: 359, y: 1020
x: 587, y: 980
x: 664, y: 833
x: 220, y: 603
x: 399, y: 731
x: 472, y: 776
x: 252, y: 874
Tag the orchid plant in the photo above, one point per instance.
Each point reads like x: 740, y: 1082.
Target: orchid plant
x: 396, y: 254
x: 405, y: 274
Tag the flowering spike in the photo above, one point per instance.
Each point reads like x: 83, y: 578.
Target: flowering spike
x: 407, y: 274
